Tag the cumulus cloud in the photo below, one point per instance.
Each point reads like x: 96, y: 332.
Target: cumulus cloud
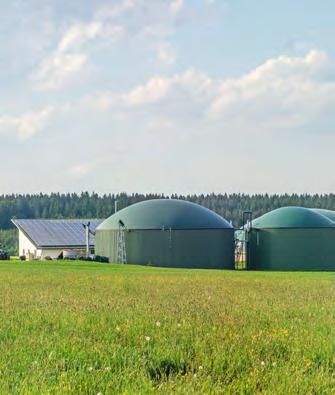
x: 166, y: 54
x: 71, y: 54
x: 27, y: 125
x: 82, y: 169
x: 282, y: 92
x: 58, y: 69
x: 285, y: 90
x: 79, y: 33
x: 185, y: 88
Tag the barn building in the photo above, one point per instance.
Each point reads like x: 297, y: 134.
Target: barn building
x: 40, y: 238
x: 292, y: 238
x: 167, y: 232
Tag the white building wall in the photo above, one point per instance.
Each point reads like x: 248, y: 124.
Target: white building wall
x: 26, y: 246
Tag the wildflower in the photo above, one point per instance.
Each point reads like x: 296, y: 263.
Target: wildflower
x: 99, y: 393
x: 179, y: 325
x: 274, y: 364
x: 147, y: 338
x: 118, y: 329
x: 90, y: 369
x: 262, y: 363
x: 158, y: 324
x: 201, y: 367
x: 195, y: 375
x: 108, y: 369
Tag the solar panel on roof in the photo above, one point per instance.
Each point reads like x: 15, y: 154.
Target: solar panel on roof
x: 57, y: 233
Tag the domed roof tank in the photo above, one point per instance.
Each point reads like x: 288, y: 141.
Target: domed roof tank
x: 292, y: 217
x: 292, y: 238
x: 165, y: 214
x: 169, y: 233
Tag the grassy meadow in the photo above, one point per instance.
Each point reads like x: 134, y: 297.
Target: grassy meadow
x: 84, y: 328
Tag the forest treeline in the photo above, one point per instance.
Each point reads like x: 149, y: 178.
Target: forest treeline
x: 86, y: 205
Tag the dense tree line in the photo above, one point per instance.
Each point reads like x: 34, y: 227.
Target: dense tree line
x: 87, y: 205
x: 9, y: 241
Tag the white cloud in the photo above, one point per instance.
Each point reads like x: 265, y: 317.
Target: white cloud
x: 77, y: 34
x: 112, y: 11
x: 72, y: 54
x: 27, y: 125
x: 285, y: 91
x: 68, y: 59
x: 176, y: 6
x: 58, y: 69
x: 166, y: 54
x: 190, y: 86
x: 81, y: 170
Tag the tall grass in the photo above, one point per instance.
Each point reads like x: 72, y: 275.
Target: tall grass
x: 70, y: 328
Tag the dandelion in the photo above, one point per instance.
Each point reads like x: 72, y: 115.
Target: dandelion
x: 147, y: 338
x: 158, y: 324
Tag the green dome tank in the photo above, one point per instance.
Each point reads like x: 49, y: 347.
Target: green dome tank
x: 292, y: 238
x: 168, y: 232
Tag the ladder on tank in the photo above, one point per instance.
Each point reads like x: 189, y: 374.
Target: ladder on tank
x: 121, y: 244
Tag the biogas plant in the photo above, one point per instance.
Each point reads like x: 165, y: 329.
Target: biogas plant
x: 177, y: 233
x: 181, y: 234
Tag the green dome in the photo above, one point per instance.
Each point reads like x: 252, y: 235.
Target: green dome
x: 165, y: 213
x: 293, y: 217
x: 327, y: 213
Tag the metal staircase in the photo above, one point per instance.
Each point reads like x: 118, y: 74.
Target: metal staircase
x: 121, y: 244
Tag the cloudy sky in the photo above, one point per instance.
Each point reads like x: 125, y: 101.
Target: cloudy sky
x: 186, y: 96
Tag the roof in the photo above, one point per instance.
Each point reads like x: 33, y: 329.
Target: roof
x: 165, y: 214
x: 56, y: 232
x: 293, y: 217
x: 327, y: 213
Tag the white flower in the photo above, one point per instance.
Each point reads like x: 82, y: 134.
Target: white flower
x: 262, y: 363
x: 90, y: 369
x: 158, y: 324
x: 201, y: 367
x: 147, y: 338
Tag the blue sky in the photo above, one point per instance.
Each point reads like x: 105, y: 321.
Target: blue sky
x: 167, y: 96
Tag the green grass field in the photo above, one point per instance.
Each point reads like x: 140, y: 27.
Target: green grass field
x: 71, y: 328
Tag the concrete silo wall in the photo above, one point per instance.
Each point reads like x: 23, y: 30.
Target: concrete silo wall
x: 305, y: 249
x: 206, y: 248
